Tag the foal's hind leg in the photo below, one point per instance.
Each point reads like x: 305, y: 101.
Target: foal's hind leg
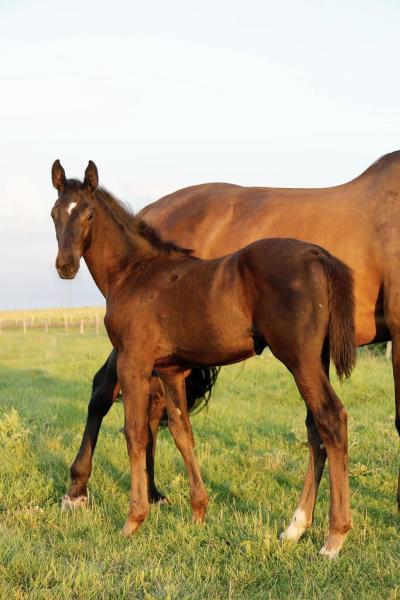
x: 304, y: 513
x: 331, y: 421
x: 181, y: 430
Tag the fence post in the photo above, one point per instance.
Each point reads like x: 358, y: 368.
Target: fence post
x: 66, y: 323
x: 97, y: 324
x: 46, y: 326
x: 388, y: 352
x: 81, y: 326
x: 24, y: 325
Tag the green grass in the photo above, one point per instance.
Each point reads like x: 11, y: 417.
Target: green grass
x: 252, y: 452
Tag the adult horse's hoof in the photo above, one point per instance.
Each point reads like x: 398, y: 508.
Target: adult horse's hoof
x: 129, y: 528
x: 162, y: 500
x: 158, y: 498
x: 332, y: 554
x: 69, y: 504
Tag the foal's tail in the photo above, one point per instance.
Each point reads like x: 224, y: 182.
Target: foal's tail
x: 342, y: 339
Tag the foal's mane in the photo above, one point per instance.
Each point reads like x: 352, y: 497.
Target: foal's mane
x: 135, y: 226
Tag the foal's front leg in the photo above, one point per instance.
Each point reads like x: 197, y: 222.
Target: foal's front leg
x: 135, y: 384
x: 181, y: 430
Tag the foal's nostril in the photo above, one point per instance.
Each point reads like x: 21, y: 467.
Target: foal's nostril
x: 70, y: 268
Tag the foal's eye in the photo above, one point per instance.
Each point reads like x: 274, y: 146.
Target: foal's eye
x: 90, y: 215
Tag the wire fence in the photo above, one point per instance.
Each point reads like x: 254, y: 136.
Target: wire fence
x: 66, y: 322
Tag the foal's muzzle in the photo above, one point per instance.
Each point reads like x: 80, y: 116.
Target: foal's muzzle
x: 67, y: 268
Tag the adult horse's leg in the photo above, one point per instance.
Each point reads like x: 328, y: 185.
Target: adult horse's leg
x: 304, y: 514
x: 396, y: 375
x: 330, y: 418
x: 392, y: 317
x: 181, y: 430
x: 104, y: 389
x: 135, y: 383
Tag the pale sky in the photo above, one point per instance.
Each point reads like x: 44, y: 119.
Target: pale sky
x: 162, y: 95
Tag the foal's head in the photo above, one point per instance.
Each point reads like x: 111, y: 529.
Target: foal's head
x: 73, y: 215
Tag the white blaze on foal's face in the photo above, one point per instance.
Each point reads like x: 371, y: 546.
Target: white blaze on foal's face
x: 71, y: 207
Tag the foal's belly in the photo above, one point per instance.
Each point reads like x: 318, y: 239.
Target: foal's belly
x: 211, y: 353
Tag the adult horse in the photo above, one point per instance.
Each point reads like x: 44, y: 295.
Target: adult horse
x: 358, y: 222
x: 170, y: 311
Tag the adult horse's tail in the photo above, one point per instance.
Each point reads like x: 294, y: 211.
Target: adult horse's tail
x: 199, y: 385
x: 342, y: 338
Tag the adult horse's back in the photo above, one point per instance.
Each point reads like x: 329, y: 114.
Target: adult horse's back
x: 359, y: 222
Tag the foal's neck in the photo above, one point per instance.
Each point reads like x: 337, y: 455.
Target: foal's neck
x: 113, y: 251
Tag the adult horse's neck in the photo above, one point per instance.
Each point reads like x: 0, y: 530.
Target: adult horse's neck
x: 113, y: 249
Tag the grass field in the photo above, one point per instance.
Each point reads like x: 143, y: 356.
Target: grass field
x: 252, y: 451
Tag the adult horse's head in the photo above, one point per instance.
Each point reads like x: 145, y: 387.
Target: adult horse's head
x: 73, y: 214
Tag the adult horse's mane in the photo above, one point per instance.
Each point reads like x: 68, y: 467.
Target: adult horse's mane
x: 132, y: 224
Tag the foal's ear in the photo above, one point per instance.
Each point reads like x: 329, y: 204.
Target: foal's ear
x: 58, y: 176
x: 91, y: 180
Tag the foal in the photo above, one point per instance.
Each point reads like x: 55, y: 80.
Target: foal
x: 169, y: 311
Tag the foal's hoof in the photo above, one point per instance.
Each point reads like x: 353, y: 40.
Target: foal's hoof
x: 331, y: 553
x: 198, y: 516
x: 333, y: 544
x: 129, y: 528
x: 296, y: 528
x: 291, y: 535
x: 69, y: 504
